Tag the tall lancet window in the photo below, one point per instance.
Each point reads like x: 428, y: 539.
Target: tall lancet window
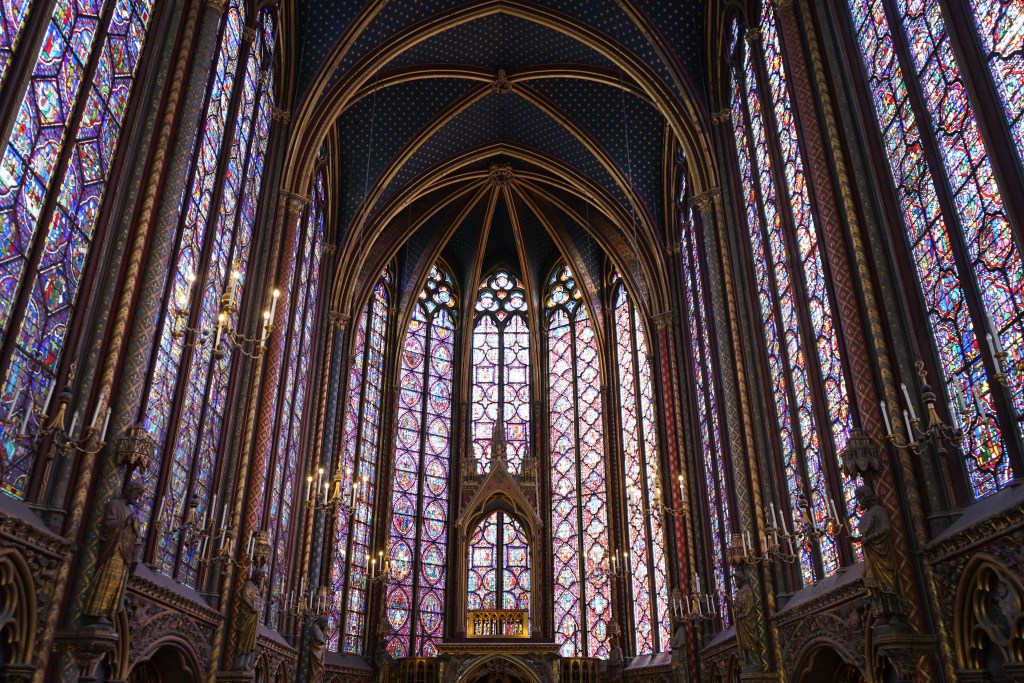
x: 808, y: 381
x: 361, y: 444
x: 645, y: 533
x: 418, y: 537
x: 188, y: 386
x: 501, y: 368
x: 295, y: 402
x: 47, y: 229
x: 705, y: 395
x: 499, y: 565
x: 579, y: 499
x: 956, y: 226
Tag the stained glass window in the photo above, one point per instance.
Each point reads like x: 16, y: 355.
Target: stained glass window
x: 188, y: 387
x: 294, y: 402
x: 992, y: 273
x: 499, y: 565
x: 361, y: 442
x: 418, y: 537
x: 501, y: 368
x: 579, y: 500
x: 802, y: 350
x: 705, y: 397
x: 12, y: 21
x: 47, y: 276
x: 1000, y: 25
x: 645, y: 530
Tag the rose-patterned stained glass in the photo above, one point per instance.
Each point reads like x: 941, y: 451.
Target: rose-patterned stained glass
x: 995, y: 270
x: 36, y: 144
x: 418, y: 537
x: 501, y: 369
x: 579, y: 500
x: 499, y: 565
x: 706, y: 402
x: 12, y: 21
x: 361, y: 444
x: 294, y: 406
x: 645, y: 533
x: 832, y: 379
x: 1000, y: 25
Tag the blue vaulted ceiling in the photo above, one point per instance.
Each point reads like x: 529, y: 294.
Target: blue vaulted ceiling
x: 440, y: 97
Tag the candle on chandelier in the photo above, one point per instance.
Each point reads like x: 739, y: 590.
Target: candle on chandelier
x: 910, y: 429
x: 995, y: 356
x: 96, y: 412
x: 273, y: 303
x: 14, y: 402
x: 885, y: 418
x: 74, y: 421
x: 910, y: 404
x: 49, y: 395
x: 106, y: 422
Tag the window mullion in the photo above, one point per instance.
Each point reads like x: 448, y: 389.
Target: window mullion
x: 577, y: 442
x: 420, y: 483
x: 1009, y: 425
x: 49, y: 205
x: 794, y: 261
x: 776, y: 313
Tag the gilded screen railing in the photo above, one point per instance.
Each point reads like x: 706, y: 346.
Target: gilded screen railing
x: 498, y: 623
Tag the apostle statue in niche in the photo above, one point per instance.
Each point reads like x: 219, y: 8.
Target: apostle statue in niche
x: 249, y: 619
x: 880, y: 573
x: 317, y: 648
x: 119, y: 549
x: 744, y: 611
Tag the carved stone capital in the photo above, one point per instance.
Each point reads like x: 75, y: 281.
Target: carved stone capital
x: 904, y: 651
x: 216, y: 5
x: 294, y: 204
x: 720, y: 117
x: 782, y: 4
x: 662, y: 320
x: 754, y: 35
x: 339, y: 321
x: 249, y: 34
x: 500, y: 175
x: 708, y: 202
x: 281, y: 115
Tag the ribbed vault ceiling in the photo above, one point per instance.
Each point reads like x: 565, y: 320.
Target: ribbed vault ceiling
x: 499, y: 131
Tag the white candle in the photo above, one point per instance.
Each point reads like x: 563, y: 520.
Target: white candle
x: 910, y: 404
x: 190, y: 279
x: 977, y: 400
x: 213, y: 506
x: 910, y: 430
x: 266, y: 325
x: 24, y: 420
x: 309, y: 488
x: 224, y: 517
x: 106, y: 421
x: 74, y: 421
x: 960, y: 404
x: 220, y: 326
x: 997, y: 346
x: 14, y: 402
x: 160, y: 512
x: 992, y: 350
x: 273, y: 304
x: 885, y: 418
x: 49, y: 395
x: 697, y: 576
x: 96, y: 413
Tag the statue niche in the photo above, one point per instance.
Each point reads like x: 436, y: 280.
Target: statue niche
x: 498, y: 527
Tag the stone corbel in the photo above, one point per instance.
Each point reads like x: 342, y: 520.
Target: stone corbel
x: 88, y: 647
x: 905, y: 651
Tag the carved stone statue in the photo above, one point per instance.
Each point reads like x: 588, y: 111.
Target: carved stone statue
x: 317, y: 647
x: 679, y: 663
x: 616, y: 662
x: 119, y: 548
x: 744, y: 611
x: 881, y: 575
x: 249, y: 620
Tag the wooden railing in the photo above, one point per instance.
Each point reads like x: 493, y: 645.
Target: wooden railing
x: 498, y: 623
